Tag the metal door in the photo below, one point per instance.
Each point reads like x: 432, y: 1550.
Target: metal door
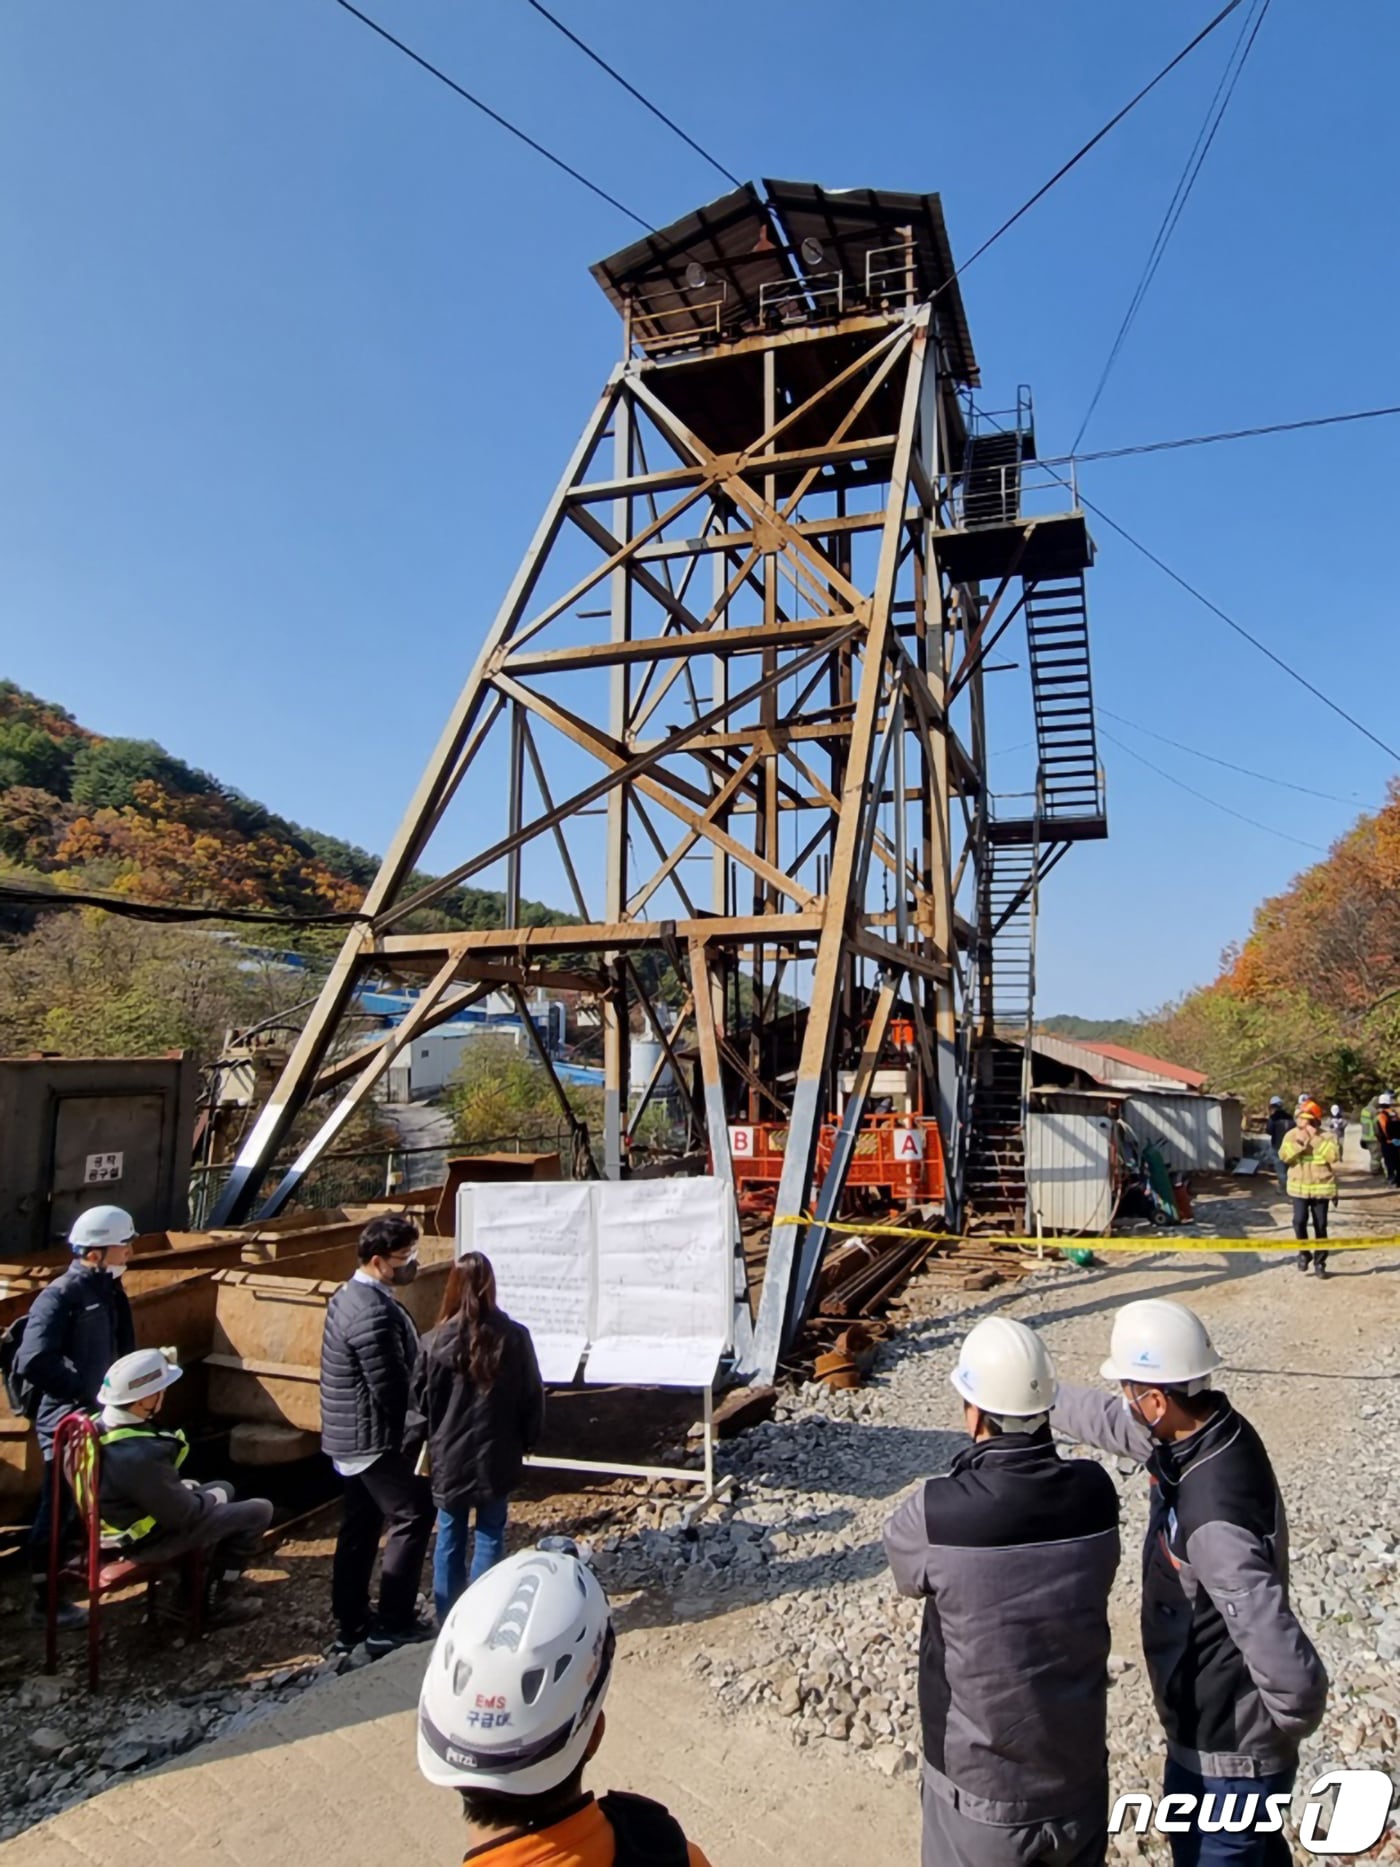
x: 107, y: 1150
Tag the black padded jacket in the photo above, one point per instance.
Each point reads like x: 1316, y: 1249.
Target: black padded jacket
x: 367, y: 1356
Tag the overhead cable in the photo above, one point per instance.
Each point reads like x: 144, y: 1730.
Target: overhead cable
x: 1224, y: 616
x: 21, y: 894
x: 495, y: 115
x: 1240, y: 630
x: 1195, y: 161
x: 1226, y: 434
x: 1205, y: 798
x: 1244, y: 771
x: 1093, y: 141
x: 632, y: 91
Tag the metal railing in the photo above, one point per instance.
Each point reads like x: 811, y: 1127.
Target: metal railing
x: 795, y: 301
x: 646, y: 313
x: 890, y: 272
x: 1020, y: 489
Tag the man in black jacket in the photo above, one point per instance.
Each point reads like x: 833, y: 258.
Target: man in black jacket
x: 149, y: 1513
x: 75, y: 1330
x: 1237, y: 1681
x: 1014, y: 1552
x: 367, y: 1355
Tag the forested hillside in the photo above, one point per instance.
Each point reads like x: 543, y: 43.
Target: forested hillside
x: 1311, y: 1000
x: 124, y: 816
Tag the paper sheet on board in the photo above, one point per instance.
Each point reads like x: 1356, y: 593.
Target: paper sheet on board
x: 663, y: 1307
x: 539, y: 1238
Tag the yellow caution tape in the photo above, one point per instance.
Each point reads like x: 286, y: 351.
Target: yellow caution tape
x: 1141, y: 1245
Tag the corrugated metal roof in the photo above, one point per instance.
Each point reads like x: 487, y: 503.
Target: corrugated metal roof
x: 1094, y: 1061
x: 736, y: 246
x: 849, y: 224
x: 741, y: 243
x: 1154, y: 1066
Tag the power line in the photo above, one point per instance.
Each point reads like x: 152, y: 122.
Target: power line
x: 495, y: 116
x: 1092, y: 143
x: 1226, y: 434
x: 632, y: 91
x: 1264, y: 777
x: 1240, y: 630
x: 1214, y: 802
x: 1176, y: 207
x: 1226, y: 618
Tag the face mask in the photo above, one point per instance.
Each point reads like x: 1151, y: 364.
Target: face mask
x: 405, y: 1273
x: 115, y: 1270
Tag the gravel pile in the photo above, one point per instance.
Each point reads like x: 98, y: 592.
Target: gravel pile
x: 830, y: 1650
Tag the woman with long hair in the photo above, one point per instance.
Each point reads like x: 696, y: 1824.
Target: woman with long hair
x: 478, y: 1402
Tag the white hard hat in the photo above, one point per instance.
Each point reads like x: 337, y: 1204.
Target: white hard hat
x: 1336, y: 1108
x: 137, y: 1376
x: 1005, y: 1369
x: 101, y: 1226
x: 1386, y: 1100
x: 1275, y: 1102
x: 517, y: 1677
x: 1158, y: 1343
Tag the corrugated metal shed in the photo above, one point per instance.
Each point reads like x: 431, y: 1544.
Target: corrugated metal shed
x: 1097, y: 1066
x: 1069, y: 1169
x: 1190, y: 1129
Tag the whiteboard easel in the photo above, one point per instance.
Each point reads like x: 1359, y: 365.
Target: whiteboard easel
x: 630, y: 1277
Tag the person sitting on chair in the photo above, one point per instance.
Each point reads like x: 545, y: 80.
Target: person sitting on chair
x: 149, y: 1513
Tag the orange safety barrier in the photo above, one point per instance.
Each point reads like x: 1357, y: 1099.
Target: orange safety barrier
x: 758, y: 1150
x: 903, y: 1153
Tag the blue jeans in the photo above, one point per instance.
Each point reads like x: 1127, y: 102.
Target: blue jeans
x: 450, y: 1575
x: 1252, y: 1849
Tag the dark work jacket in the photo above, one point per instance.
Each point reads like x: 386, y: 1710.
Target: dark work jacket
x: 1280, y: 1123
x: 1014, y: 1551
x: 140, y: 1478
x: 76, y: 1329
x: 476, y: 1441
x: 1238, y: 1683
x: 367, y: 1355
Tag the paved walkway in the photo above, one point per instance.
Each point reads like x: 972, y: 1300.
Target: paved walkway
x: 332, y: 1778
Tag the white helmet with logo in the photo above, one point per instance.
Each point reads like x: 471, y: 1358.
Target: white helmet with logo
x: 1005, y: 1369
x: 137, y: 1376
x: 101, y: 1226
x: 517, y: 1678
x: 1158, y: 1343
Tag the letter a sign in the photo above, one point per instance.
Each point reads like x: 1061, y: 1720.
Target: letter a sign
x: 908, y: 1144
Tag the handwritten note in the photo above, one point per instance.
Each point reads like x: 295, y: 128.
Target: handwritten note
x: 663, y: 1309
x: 540, y: 1240
x: 638, y: 1272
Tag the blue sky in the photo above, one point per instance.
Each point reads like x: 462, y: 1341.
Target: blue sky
x: 294, y: 345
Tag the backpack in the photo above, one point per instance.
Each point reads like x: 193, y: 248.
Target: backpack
x: 645, y: 1834
x: 20, y: 1391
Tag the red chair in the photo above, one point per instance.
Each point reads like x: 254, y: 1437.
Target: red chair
x: 77, y: 1463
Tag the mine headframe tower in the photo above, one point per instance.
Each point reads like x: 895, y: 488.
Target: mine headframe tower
x: 733, y: 701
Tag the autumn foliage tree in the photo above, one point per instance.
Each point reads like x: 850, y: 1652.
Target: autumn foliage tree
x: 1311, y: 1000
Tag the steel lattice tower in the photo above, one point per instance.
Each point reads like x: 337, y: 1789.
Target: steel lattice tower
x: 749, y: 637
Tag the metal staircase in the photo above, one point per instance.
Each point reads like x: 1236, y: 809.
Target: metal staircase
x: 1057, y: 633
x: 1011, y: 519
x: 994, y: 1187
